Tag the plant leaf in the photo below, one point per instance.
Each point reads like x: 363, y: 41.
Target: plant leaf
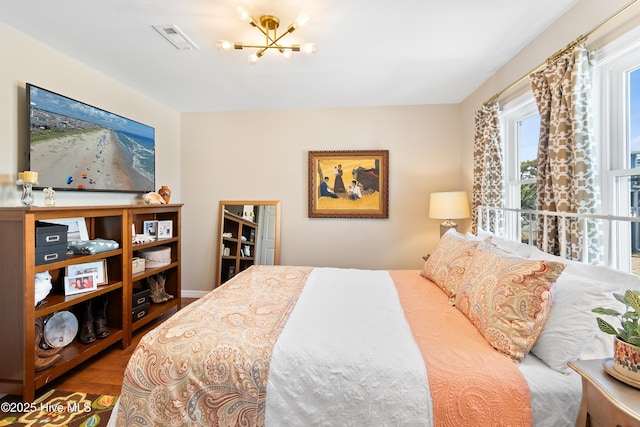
x: 606, y: 311
x: 622, y: 334
x: 634, y: 340
x: 632, y: 299
x: 619, y: 297
x: 606, y: 327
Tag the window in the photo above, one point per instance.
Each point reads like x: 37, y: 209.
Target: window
x: 617, y: 104
x: 521, y: 130
x: 617, y: 140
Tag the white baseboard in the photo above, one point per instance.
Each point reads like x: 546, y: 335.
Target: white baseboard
x: 193, y: 294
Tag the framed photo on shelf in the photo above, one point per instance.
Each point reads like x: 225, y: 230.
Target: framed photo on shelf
x: 77, y: 228
x: 349, y: 184
x: 97, y: 268
x: 150, y: 228
x: 79, y: 284
x: 165, y: 229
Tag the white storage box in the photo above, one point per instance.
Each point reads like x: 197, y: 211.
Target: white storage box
x: 156, y: 257
x: 137, y: 265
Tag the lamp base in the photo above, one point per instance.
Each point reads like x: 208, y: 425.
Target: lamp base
x: 446, y: 226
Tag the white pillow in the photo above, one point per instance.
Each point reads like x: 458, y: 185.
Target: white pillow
x: 602, y: 345
x: 571, y: 326
x: 538, y: 254
x: 520, y: 249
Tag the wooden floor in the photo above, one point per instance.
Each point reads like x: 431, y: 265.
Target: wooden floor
x: 103, y: 373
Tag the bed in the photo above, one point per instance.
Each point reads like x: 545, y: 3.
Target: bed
x: 481, y: 335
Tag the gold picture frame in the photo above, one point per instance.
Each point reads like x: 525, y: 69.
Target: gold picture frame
x: 349, y: 184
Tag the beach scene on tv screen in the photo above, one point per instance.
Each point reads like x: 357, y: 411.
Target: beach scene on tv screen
x: 76, y: 146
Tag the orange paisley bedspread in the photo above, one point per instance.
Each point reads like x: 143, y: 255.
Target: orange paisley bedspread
x: 208, y: 365
x: 471, y: 383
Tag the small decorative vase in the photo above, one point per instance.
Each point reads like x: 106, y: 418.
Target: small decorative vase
x: 165, y: 192
x: 27, y: 194
x: 626, y: 359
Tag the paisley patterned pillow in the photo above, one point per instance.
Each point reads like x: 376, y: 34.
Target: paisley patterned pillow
x: 447, y: 264
x: 507, y: 299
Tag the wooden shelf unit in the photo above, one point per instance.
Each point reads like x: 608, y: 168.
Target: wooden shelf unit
x: 242, y: 234
x: 172, y: 271
x: 17, y: 291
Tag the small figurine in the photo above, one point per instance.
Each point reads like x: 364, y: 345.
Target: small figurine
x: 49, y: 196
x: 165, y: 192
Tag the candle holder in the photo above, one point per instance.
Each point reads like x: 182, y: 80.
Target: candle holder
x: 27, y: 193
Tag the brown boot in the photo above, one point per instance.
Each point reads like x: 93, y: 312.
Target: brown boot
x: 156, y: 296
x: 45, y: 362
x: 86, y: 334
x: 161, y: 286
x: 40, y: 352
x: 100, y: 316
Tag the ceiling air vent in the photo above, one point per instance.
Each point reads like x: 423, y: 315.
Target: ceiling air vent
x: 175, y: 37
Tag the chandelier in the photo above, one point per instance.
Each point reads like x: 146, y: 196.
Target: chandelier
x: 268, y: 25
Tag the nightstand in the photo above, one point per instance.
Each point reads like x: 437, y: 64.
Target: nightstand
x: 605, y: 400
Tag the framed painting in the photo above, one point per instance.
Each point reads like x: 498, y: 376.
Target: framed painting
x: 349, y: 184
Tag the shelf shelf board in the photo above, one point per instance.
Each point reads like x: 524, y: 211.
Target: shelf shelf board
x: 74, y: 354
x: 57, y: 302
x: 77, y: 259
x: 158, y: 242
x: 151, y: 271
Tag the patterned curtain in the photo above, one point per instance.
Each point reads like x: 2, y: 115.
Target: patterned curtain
x: 488, y: 179
x: 566, y: 171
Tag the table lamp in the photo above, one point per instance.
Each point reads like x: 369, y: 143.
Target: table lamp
x: 448, y: 206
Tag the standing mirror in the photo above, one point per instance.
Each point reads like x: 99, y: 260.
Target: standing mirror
x: 249, y: 234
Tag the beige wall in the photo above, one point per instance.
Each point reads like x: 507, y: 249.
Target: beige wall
x: 263, y: 155
x: 251, y: 155
x: 25, y: 60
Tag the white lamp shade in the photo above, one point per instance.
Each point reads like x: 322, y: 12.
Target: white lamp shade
x: 449, y: 205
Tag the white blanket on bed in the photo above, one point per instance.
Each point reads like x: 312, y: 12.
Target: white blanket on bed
x: 343, y: 317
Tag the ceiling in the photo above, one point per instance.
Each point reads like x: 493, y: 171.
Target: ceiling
x: 370, y: 52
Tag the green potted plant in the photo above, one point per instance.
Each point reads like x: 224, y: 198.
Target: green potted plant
x: 626, y: 344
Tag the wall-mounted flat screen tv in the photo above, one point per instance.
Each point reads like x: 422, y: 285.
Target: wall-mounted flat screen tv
x: 75, y: 146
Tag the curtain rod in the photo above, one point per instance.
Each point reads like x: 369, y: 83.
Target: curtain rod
x: 571, y: 45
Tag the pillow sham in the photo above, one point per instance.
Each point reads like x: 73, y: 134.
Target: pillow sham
x: 571, y: 327
x: 602, y: 344
x: 507, y: 299
x: 447, y: 263
x: 512, y: 246
x: 611, y: 280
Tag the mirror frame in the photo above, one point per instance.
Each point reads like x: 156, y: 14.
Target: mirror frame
x: 222, y: 204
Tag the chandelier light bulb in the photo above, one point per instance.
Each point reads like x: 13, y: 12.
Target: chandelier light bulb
x: 253, y: 58
x: 286, y: 53
x: 244, y: 13
x: 224, y: 45
x: 309, y: 48
x: 302, y: 19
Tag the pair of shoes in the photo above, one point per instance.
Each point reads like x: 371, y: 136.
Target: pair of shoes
x: 94, y: 320
x: 157, y: 285
x: 156, y: 296
x: 162, y: 281
x: 44, y: 358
